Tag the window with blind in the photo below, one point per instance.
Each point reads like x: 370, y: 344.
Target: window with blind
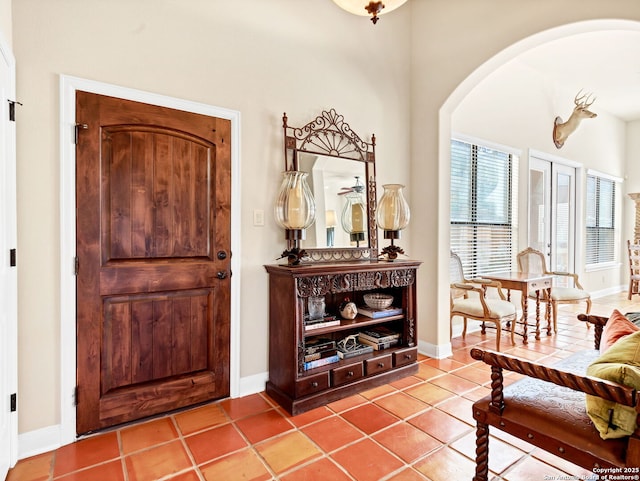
x: 483, y: 196
x: 601, y: 223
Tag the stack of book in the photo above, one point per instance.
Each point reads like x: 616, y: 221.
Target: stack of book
x: 318, y: 352
x: 326, y: 321
x: 379, y: 313
x: 379, y: 337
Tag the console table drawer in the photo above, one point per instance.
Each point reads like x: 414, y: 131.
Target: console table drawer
x: 541, y: 284
x: 345, y: 374
x: 405, y: 356
x: 311, y: 384
x: 377, y: 364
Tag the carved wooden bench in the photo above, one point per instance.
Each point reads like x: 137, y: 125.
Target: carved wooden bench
x: 547, y: 409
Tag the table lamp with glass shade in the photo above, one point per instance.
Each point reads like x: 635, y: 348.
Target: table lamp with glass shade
x: 295, y: 210
x: 393, y: 216
x: 354, y: 213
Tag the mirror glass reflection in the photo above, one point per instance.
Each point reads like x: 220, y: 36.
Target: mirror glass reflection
x: 331, y: 180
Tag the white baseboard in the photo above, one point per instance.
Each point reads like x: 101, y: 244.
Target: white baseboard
x: 39, y: 441
x: 608, y: 292
x: 253, y: 384
x: 436, y: 351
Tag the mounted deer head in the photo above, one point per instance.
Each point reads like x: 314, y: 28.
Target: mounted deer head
x: 562, y: 130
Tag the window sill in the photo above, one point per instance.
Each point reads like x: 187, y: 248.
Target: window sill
x: 602, y: 267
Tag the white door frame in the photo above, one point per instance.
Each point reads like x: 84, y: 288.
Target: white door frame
x: 579, y: 173
x: 68, y: 87
x: 8, y: 275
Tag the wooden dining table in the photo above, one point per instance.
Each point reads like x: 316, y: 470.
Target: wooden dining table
x: 526, y: 283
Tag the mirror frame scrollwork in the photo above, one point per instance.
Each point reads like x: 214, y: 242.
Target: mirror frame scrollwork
x: 328, y: 134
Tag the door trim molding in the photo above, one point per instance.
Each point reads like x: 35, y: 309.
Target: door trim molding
x: 9, y: 213
x: 579, y: 198
x: 68, y: 87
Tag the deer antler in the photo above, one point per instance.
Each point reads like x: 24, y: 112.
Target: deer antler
x: 583, y: 101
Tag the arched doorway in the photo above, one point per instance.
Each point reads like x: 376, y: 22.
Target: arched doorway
x: 476, y: 80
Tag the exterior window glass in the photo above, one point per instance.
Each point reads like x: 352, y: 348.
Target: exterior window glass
x: 600, y: 246
x: 483, y: 194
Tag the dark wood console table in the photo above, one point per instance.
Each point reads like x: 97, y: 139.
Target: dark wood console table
x: 298, y: 389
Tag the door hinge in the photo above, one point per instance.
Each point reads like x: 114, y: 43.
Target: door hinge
x: 12, y: 110
x: 13, y: 403
x: 75, y: 396
x: 78, y: 127
x: 76, y: 266
x: 12, y: 258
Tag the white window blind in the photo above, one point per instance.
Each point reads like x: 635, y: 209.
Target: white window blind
x: 601, y: 226
x: 483, y: 200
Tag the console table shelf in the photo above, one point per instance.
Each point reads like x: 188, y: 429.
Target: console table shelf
x: 299, y: 390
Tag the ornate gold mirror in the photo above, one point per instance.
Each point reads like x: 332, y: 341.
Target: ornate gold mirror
x: 341, y: 176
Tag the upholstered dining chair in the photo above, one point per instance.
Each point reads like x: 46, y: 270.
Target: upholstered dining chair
x: 469, y: 300
x: 533, y: 261
x: 634, y: 267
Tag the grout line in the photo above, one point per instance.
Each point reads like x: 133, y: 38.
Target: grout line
x: 123, y: 463
x: 571, y: 337
x: 185, y: 446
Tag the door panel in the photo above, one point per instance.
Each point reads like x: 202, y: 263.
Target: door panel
x: 540, y: 205
x: 153, y: 204
x: 552, y: 220
x: 563, y: 187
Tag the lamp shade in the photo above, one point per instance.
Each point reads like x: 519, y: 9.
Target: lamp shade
x: 393, y: 210
x: 330, y: 218
x: 359, y: 7
x: 295, y: 208
x: 354, y: 215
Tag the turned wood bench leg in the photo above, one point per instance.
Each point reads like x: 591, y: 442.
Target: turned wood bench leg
x: 482, y: 452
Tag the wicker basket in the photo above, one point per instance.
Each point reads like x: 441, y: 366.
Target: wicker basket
x: 377, y: 300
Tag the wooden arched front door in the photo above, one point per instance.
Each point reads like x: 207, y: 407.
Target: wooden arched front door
x: 153, y: 259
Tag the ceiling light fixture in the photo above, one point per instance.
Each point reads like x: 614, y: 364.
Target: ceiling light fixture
x: 367, y: 7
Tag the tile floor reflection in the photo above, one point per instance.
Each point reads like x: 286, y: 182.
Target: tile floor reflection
x: 418, y: 428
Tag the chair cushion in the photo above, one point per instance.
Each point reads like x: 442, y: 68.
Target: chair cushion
x: 473, y: 308
x: 560, y: 294
x: 568, y: 294
x: 621, y: 364
x: 616, y: 327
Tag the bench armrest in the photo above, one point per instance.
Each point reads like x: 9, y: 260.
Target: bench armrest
x: 590, y: 385
x: 598, y: 323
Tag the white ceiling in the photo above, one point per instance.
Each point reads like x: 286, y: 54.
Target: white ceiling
x: 606, y: 63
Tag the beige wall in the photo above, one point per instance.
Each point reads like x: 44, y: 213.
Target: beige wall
x: 260, y: 58
x: 5, y: 21
x: 474, y: 33
x: 522, y: 118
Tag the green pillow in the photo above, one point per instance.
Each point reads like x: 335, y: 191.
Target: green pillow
x: 621, y: 364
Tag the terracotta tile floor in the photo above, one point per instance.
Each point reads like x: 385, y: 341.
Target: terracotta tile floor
x: 418, y: 428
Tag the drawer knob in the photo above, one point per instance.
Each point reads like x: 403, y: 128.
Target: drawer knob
x: 314, y: 384
x: 380, y: 364
x: 407, y: 356
x: 349, y: 373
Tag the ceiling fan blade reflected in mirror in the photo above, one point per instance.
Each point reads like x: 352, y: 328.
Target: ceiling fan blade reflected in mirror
x: 357, y: 187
